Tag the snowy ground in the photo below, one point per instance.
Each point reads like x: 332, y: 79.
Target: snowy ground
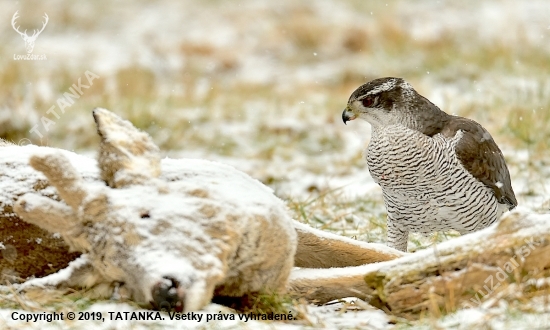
x: 262, y: 87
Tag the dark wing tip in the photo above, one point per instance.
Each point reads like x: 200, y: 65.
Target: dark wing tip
x: 511, y: 205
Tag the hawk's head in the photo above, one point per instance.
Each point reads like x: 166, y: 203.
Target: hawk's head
x: 379, y: 101
x: 391, y: 101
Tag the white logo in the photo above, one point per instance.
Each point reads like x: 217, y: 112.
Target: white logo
x: 29, y: 40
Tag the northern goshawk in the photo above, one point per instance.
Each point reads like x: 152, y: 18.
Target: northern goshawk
x: 437, y: 171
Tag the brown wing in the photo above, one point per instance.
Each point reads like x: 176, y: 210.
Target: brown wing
x: 480, y: 155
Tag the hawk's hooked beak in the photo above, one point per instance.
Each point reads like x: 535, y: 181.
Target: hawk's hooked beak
x: 348, y: 115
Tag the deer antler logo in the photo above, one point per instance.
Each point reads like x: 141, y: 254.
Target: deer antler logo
x: 29, y: 40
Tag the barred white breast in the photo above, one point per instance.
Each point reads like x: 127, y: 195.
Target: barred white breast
x: 425, y: 186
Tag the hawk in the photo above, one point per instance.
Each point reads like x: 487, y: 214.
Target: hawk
x: 437, y: 171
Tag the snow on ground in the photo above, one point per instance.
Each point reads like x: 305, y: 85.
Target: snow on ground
x: 261, y: 86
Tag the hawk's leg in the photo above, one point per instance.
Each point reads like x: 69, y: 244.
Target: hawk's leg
x: 397, y: 238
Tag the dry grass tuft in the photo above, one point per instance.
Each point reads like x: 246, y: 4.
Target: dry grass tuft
x: 529, y: 127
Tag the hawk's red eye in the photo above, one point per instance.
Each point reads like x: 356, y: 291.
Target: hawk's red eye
x: 367, y: 101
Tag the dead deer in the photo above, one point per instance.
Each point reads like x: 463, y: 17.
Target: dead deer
x: 174, y: 232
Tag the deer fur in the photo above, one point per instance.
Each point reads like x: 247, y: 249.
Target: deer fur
x: 176, y: 233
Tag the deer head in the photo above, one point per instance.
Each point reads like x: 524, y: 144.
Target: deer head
x: 29, y: 40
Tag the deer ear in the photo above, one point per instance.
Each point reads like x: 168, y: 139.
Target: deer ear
x: 127, y: 156
x: 62, y: 175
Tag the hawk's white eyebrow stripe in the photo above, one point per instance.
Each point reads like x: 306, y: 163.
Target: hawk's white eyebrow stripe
x: 388, y: 85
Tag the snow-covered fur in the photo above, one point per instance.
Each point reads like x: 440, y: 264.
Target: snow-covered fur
x: 176, y: 239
